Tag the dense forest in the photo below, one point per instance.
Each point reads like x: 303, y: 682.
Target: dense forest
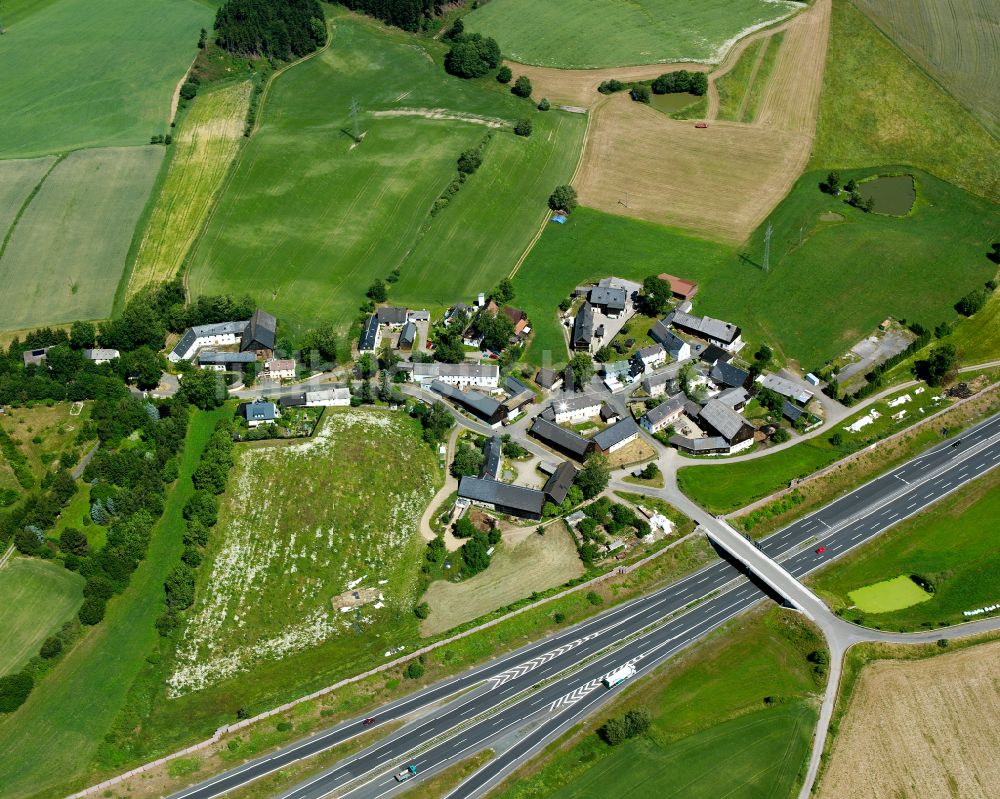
x: 405, y: 14
x: 282, y: 29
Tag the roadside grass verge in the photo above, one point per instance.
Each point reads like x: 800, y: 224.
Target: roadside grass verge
x: 79, y: 225
x: 877, y: 106
x: 37, y: 597
x: 63, y: 90
x: 577, y: 34
x: 210, y: 137
x: 951, y: 545
x: 725, y: 487
x: 48, y: 745
x: 743, y: 697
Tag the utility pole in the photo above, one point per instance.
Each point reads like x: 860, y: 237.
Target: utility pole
x: 767, y: 248
x: 354, y: 120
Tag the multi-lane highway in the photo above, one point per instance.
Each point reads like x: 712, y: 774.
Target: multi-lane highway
x: 525, y: 699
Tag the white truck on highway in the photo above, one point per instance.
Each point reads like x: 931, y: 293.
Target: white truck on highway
x: 619, y: 675
x: 406, y: 773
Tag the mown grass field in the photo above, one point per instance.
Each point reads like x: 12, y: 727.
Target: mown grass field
x: 887, y: 595
x: 308, y: 221
x: 952, y: 544
x: 723, y: 487
x: 78, y: 227
x: 877, y: 107
x: 758, y: 88
x: 914, y: 267
x: 79, y: 74
x: 707, y: 709
x: 17, y: 180
x: 47, y: 745
x: 278, y: 564
x: 37, y: 597
x: 734, y: 85
x: 577, y: 34
x: 210, y: 136
x: 954, y: 40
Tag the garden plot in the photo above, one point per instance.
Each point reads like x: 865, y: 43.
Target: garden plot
x: 315, y: 540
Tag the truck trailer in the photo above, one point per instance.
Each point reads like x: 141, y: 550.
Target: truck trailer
x: 619, y: 675
x: 406, y: 773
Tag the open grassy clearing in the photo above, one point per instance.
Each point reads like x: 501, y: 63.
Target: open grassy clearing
x: 17, y: 180
x: 47, y: 745
x: 79, y: 226
x: 308, y: 221
x: 955, y: 41
x: 708, y: 708
x: 279, y: 563
x: 724, y: 487
x: 535, y: 563
x: 63, y: 90
x: 37, y: 597
x: 210, y: 137
x: 878, y: 107
x: 952, y: 545
x: 577, y: 34
x: 44, y: 432
x: 922, y: 728
x: 887, y: 595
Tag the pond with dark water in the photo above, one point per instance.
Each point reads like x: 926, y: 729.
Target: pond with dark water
x: 891, y: 194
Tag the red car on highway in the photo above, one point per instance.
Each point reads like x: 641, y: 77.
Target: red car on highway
x: 821, y: 550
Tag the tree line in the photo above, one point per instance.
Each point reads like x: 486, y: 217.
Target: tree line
x: 282, y: 29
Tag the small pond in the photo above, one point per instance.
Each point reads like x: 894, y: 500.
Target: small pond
x: 892, y: 195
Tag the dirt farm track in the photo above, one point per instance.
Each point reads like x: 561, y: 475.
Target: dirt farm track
x: 923, y: 729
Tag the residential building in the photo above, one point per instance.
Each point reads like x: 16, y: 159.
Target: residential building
x: 576, y: 409
x: 260, y: 333
x: 518, y: 317
x: 680, y: 288
x: 735, y: 398
x: 559, y: 483
x: 715, y: 331
x: 100, y: 356
x: 418, y: 316
x: 723, y: 421
x: 458, y: 313
x: 676, y: 347
x: 659, y: 383
x: 583, y: 328
x: 608, y: 414
x: 391, y: 316
x: 518, y: 394
x: 664, y: 414
x: 512, y: 500
x: 279, y: 369
x: 726, y: 375
x: 492, y: 458
x: 713, y: 355
x: 610, y: 299
x: 617, y: 436
x: 407, y: 336
x: 258, y: 412
x: 478, y: 375
x: 222, y: 334
x: 225, y: 361
x: 473, y: 402
x: 652, y: 356
x: 548, y: 379
x: 713, y: 445
x: 324, y: 398
x: 371, y: 335
x: 560, y: 439
x: 786, y: 388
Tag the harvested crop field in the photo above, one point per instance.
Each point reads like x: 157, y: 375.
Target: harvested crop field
x: 535, y: 563
x: 207, y: 144
x: 78, y: 226
x: 722, y: 181
x: 923, y: 729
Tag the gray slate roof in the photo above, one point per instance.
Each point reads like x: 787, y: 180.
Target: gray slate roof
x: 700, y: 444
x: 369, y: 334
x: 505, y: 495
x: 722, y: 419
x: 211, y: 358
x: 390, y: 315
x: 558, y: 485
x: 583, y: 326
x: 618, y: 432
x: 612, y: 298
x: 260, y: 331
x: 408, y: 336
x: 729, y: 375
x: 666, y: 408
x: 707, y: 327
x: 492, y: 451
x: 258, y: 411
x: 559, y: 437
x: 734, y: 396
x: 481, y: 405
x: 579, y: 403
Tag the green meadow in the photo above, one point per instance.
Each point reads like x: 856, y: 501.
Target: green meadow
x: 888, y: 595
x: 75, y: 73
x: 310, y: 219
x: 37, y: 597
x: 581, y: 34
x: 17, y: 180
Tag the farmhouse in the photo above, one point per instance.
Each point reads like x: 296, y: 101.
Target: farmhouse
x: 575, y: 409
x: 583, y: 328
x: 260, y: 333
x: 325, y: 398
x: 657, y: 384
x: 548, y: 379
x: 492, y: 458
x: 664, y: 414
x: 610, y: 299
x: 715, y: 331
x: 650, y: 357
x: 476, y: 403
x: 518, y: 317
x: 557, y: 486
x: 258, y: 413
x: 222, y: 334
x: 480, y: 375
x: 617, y: 436
x: 559, y: 438
x: 371, y: 335
x: 725, y: 423
x: 391, y: 316
x: 680, y: 288
x: 225, y: 361
x: 513, y: 500
x: 100, y: 356
x: 786, y: 388
x: 279, y: 369
x: 676, y: 347
x: 713, y: 355
x: 407, y: 336
x: 726, y: 375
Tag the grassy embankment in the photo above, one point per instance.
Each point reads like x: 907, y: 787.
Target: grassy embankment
x: 80, y: 74
x: 878, y: 107
x: 37, y: 597
x: 309, y: 219
x: 577, y: 34
x: 742, y: 88
x: 47, y: 745
x: 708, y: 707
x: 952, y: 545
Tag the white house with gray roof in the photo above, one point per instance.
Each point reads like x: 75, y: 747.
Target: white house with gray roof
x: 715, y: 331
